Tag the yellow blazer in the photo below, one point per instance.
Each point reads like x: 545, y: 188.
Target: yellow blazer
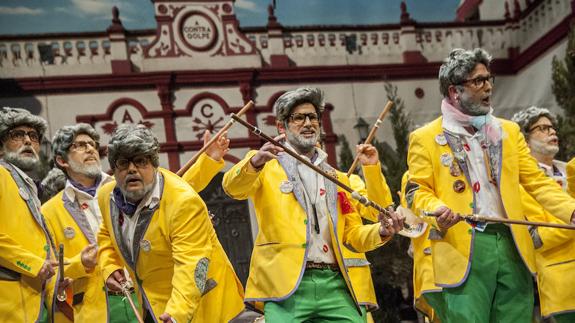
x: 200, y: 174
x: 24, y: 247
x: 571, y: 177
x: 279, y: 255
x: 359, y: 266
x: 423, y: 281
x: 69, y: 227
x: 554, y: 258
x: 431, y: 186
x: 180, y: 266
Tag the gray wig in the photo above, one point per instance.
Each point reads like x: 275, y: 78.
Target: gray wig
x: 458, y: 65
x: 66, y: 135
x: 528, y: 117
x: 130, y: 140
x: 291, y: 99
x: 11, y: 118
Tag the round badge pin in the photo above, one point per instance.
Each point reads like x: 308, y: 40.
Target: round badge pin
x: 69, y: 232
x: 23, y: 194
x: 460, y: 155
x: 286, y: 187
x: 459, y: 186
x: 446, y: 159
x: 441, y: 140
x: 145, y: 245
x: 455, y: 170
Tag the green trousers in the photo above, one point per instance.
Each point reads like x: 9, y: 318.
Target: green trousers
x: 322, y: 296
x: 564, y: 318
x: 120, y: 309
x: 498, y: 289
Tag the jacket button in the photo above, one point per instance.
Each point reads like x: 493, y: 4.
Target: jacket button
x: 303, y: 245
x: 305, y: 221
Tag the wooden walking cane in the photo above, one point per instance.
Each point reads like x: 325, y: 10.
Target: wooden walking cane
x: 371, y: 134
x: 126, y: 290
x: 482, y: 218
x: 407, y: 229
x: 189, y: 164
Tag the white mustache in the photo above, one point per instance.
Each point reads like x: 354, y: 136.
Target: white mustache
x: 27, y: 149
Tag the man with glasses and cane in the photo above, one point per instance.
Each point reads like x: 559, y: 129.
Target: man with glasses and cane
x: 297, y: 272
x: 74, y: 219
x: 159, y: 228
x: 469, y: 162
x: 26, y: 251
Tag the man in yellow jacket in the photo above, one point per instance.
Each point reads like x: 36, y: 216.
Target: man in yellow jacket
x: 74, y: 218
x: 297, y: 268
x: 554, y: 248
x: 159, y: 228
x: 468, y: 161
x: 26, y: 254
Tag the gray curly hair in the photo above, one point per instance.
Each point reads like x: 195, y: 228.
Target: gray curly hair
x: 53, y: 183
x: 458, y: 65
x: 65, y: 136
x: 130, y: 140
x: 11, y: 118
x: 291, y: 99
x: 526, y: 118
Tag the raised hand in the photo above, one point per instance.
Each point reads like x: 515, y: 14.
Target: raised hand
x: 266, y: 153
x: 367, y: 154
x: 219, y: 148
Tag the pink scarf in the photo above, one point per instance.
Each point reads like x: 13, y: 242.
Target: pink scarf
x: 486, y: 123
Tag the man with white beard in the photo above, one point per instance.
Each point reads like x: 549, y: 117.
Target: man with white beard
x: 26, y: 254
x: 297, y: 269
x: 553, y: 247
x: 74, y: 218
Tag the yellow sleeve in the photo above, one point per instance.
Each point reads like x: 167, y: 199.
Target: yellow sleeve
x: 202, y: 172
x: 17, y: 258
x: 376, y: 186
x: 357, y: 236
x: 368, y: 213
x: 420, y: 188
x: 190, y: 234
x: 571, y: 177
x: 545, y: 238
x: 241, y: 179
x: 543, y: 188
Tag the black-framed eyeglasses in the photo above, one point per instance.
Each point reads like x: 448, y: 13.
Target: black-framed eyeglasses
x: 479, y: 82
x: 18, y: 135
x: 299, y: 118
x: 82, y: 146
x: 544, y: 128
x: 141, y: 161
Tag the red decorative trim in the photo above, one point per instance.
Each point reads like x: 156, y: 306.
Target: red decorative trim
x: 413, y: 57
x: 279, y: 61
x: 537, y: 49
x: 232, y: 159
x: 108, y: 115
x: 121, y: 66
x: 466, y: 9
x: 419, y: 93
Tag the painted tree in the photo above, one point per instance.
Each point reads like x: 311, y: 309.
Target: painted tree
x: 563, y: 74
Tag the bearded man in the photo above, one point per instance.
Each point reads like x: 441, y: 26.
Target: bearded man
x: 157, y: 226
x: 468, y: 161
x: 554, y: 248
x: 297, y: 269
x: 74, y: 219
x: 26, y: 250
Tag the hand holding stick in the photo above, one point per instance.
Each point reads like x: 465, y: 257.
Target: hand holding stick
x: 489, y: 219
x: 369, y: 138
x: 189, y: 164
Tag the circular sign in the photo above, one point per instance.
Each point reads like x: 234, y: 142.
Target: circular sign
x: 198, y: 31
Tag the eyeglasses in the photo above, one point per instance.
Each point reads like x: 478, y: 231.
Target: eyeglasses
x: 18, y: 135
x: 82, y: 146
x: 544, y: 128
x: 479, y: 82
x: 138, y: 161
x: 299, y: 118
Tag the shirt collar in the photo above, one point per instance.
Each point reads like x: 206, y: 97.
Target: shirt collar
x: 71, y: 191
